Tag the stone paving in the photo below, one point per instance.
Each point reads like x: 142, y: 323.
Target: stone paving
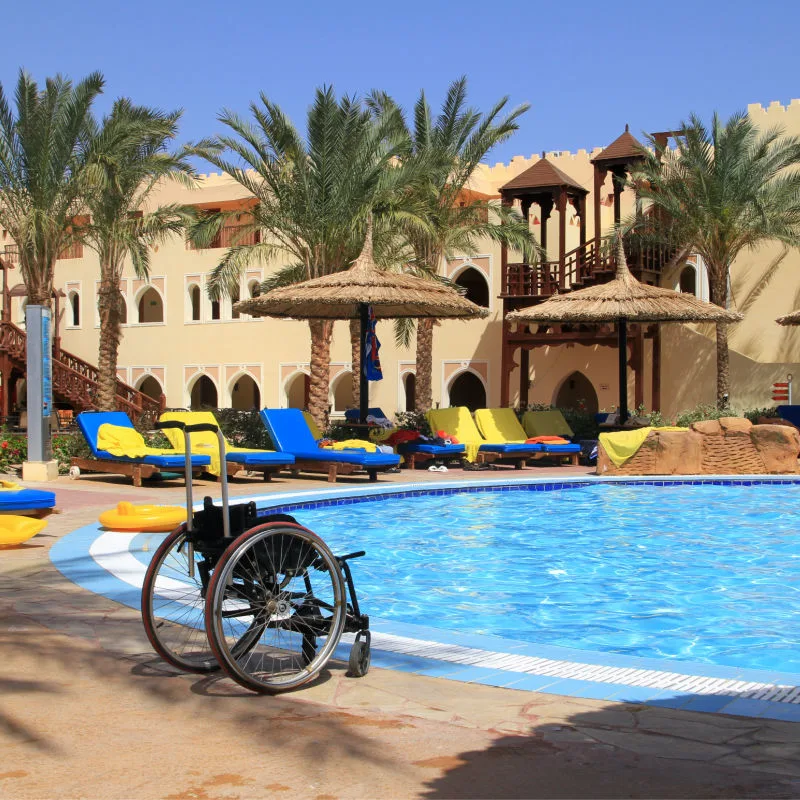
x: 87, y: 710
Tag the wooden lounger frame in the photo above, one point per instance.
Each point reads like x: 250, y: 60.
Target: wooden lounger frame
x: 332, y: 468
x: 135, y: 471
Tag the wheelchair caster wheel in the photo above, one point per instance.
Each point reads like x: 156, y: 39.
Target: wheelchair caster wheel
x: 359, y: 656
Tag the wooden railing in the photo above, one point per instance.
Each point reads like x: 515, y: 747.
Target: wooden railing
x: 231, y: 236
x: 581, y: 266
x: 75, y: 250
x: 75, y: 379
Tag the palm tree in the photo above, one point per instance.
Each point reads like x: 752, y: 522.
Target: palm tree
x: 314, y: 195
x: 128, y: 157
x: 43, y: 159
x: 720, y: 191
x: 446, y: 152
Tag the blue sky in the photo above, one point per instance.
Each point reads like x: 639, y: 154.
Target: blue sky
x: 586, y: 68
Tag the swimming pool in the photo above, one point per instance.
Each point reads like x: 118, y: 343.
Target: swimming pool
x: 700, y: 573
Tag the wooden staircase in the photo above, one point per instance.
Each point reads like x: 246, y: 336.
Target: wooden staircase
x: 75, y: 381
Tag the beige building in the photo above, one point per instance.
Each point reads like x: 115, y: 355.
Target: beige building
x: 177, y: 342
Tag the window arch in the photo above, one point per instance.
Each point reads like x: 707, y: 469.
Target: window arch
x: 215, y: 312
x: 410, y: 391
x: 150, y: 306
x: 577, y: 391
x: 194, y: 302
x: 296, y: 389
x: 475, y: 284
x: 687, y: 282
x: 203, y: 394
x: 150, y: 386
x: 235, y: 297
x: 342, y: 392
x: 245, y: 394
x: 75, y: 309
x: 123, y: 309
x: 467, y: 389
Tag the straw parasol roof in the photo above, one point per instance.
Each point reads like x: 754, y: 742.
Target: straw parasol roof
x: 624, y: 298
x: 339, y: 296
x: 789, y: 319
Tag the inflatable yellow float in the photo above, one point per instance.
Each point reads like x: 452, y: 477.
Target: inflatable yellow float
x: 150, y: 519
x: 15, y: 529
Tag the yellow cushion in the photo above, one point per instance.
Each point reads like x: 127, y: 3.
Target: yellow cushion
x: 312, y: 425
x: 499, y: 426
x: 457, y: 422
x: 546, y: 423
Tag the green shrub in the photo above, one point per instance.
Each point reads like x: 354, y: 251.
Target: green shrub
x: 754, y: 414
x: 413, y: 421
x: 13, y: 451
x: 701, y: 412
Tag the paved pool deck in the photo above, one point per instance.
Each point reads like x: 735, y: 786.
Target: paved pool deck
x: 87, y: 710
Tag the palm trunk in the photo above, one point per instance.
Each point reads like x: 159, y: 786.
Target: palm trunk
x: 355, y: 349
x: 719, y: 296
x: 424, y: 373
x: 108, y: 305
x: 319, y: 386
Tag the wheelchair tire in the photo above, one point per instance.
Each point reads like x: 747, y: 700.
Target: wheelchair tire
x: 282, y: 579
x: 173, y: 607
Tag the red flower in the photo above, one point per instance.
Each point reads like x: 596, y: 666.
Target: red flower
x: 4, y: 445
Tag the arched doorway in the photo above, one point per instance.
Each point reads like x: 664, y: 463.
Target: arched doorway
x: 343, y: 392
x: 151, y: 307
x: 204, y: 394
x: 297, y: 390
x: 577, y: 392
x: 410, y: 387
x: 688, y: 280
x: 194, y: 300
x: 151, y: 387
x: 245, y: 395
x: 75, y: 309
x: 467, y: 389
x: 477, y: 289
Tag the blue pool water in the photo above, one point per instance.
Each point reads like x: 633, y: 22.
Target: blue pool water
x: 698, y: 573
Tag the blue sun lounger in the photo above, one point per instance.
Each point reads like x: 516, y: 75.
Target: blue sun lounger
x: 290, y: 434
x: 15, y: 499
x: 143, y: 467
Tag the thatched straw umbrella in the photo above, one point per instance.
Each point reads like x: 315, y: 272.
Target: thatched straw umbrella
x: 623, y: 300
x: 350, y: 293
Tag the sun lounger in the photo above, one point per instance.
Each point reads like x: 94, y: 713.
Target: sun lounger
x: 152, y: 460
x: 15, y: 499
x: 236, y: 458
x: 414, y: 452
x: 290, y: 434
x: 502, y: 425
x: 546, y: 423
x: 458, y: 422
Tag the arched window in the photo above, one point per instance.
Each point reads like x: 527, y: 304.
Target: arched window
x: 151, y: 307
x: 297, y: 390
x: 477, y: 289
x: 343, y: 392
x: 194, y: 300
x: 151, y: 387
x: 688, y: 280
x: 204, y: 394
x: 577, y: 392
x: 245, y: 394
x: 75, y: 309
x: 254, y: 288
x: 234, y: 299
x: 467, y: 389
x: 410, y: 386
x: 123, y: 309
x: 215, y: 309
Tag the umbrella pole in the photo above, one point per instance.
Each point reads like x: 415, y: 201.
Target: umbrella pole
x: 622, y: 333
x: 363, y: 385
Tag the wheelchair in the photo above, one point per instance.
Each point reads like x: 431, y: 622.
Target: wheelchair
x: 263, y: 598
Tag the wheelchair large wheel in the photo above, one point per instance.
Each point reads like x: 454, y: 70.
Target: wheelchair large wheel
x: 276, y: 607
x: 173, y: 606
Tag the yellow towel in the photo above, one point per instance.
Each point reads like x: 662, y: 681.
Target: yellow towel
x: 622, y: 445
x: 459, y: 423
x: 204, y: 443
x: 312, y: 425
x: 546, y: 423
x: 120, y: 440
x: 352, y: 444
x: 500, y: 426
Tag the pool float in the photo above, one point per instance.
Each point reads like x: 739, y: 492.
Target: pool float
x: 16, y: 530
x: 128, y: 517
x: 15, y: 498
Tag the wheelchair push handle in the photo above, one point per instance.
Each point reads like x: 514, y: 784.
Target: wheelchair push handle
x: 202, y: 427
x: 169, y: 423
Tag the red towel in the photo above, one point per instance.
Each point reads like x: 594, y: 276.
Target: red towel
x: 547, y: 440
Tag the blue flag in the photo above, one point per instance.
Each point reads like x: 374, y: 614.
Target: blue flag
x: 372, y: 361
